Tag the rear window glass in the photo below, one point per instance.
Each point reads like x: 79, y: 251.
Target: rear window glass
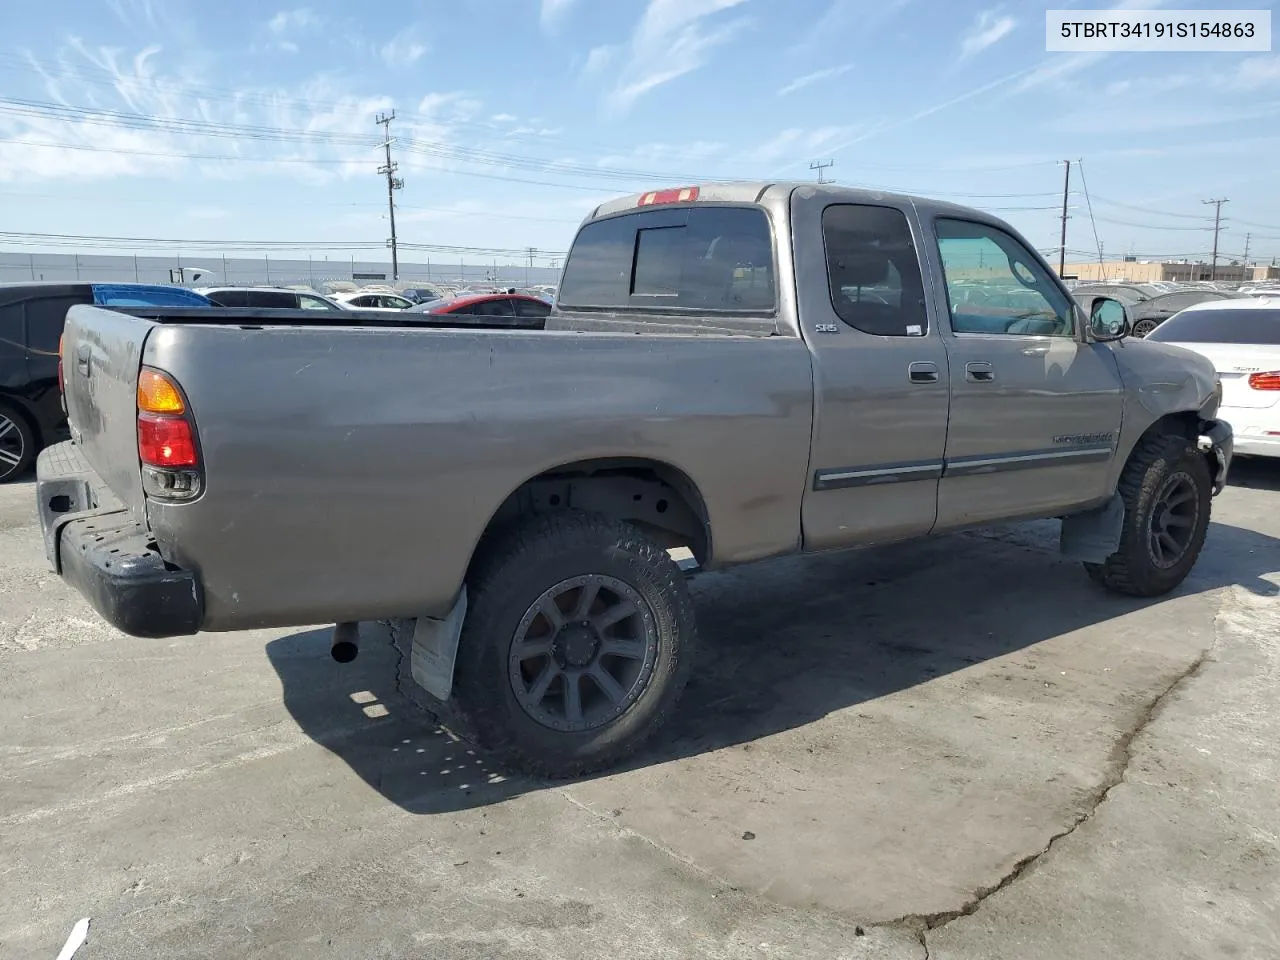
x: 873, y: 271
x: 702, y: 258
x: 1220, y: 326
x: 125, y: 295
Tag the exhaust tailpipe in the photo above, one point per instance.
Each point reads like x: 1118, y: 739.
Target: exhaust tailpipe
x: 346, y: 642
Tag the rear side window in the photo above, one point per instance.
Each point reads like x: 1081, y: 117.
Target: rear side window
x: 272, y: 299
x: 1254, y: 327
x: 532, y: 308
x: 45, y: 318
x: 488, y: 308
x: 873, y: 271
x: 229, y: 298
x: 702, y: 258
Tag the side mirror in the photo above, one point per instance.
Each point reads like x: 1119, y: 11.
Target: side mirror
x: 1109, y: 320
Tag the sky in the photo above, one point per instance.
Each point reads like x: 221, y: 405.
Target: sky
x: 247, y: 123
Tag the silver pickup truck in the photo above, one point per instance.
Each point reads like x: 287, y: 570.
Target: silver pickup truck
x: 742, y: 370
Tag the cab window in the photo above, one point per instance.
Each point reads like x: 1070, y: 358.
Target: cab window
x: 995, y: 285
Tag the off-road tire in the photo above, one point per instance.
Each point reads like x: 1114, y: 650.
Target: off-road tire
x: 1131, y: 569
x: 510, y: 572
x: 19, y: 440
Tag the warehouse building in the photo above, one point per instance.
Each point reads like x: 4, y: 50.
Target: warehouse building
x: 1178, y: 271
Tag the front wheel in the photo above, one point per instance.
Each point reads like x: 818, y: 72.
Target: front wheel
x: 1167, y: 490
x: 577, y: 644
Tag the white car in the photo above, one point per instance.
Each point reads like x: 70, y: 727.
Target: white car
x: 364, y: 300
x: 1241, y: 338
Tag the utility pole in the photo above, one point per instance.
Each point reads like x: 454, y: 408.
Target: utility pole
x: 1217, y: 226
x: 1247, y: 238
x: 531, y: 251
x: 1062, y: 244
x: 394, y: 183
x: 821, y: 165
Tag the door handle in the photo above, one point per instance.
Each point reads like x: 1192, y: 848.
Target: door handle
x: 923, y: 372
x: 979, y: 372
x: 1038, y: 351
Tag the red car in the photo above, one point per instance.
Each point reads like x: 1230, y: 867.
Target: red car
x: 488, y: 305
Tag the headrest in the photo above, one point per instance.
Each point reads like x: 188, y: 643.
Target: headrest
x: 860, y: 269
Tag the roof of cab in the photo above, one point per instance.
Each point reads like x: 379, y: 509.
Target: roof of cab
x: 756, y: 191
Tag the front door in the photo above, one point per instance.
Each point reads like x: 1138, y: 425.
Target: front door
x: 880, y: 375
x: 1035, y: 406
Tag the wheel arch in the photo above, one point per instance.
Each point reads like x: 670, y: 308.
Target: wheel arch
x: 653, y: 494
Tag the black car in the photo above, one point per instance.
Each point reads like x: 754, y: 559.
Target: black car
x: 271, y: 297
x: 31, y: 319
x: 420, y: 294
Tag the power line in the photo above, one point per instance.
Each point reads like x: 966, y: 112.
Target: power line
x: 394, y: 183
x: 821, y: 165
x: 1066, y: 193
x: 1217, y: 226
x: 1089, y: 200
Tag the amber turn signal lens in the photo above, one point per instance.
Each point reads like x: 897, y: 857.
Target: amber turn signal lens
x: 157, y: 393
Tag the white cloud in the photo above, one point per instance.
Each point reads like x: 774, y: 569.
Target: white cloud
x: 988, y: 29
x: 1256, y: 73
x: 300, y: 18
x: 403, y: 49
x: 503, y: 118
x: 799, y: 83
x: 552, y: 11
x: 796, y: 144
x: 599, y: 58
x: 672, y: 38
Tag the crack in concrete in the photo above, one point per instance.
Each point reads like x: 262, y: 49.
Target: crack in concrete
x: 1121, y: 758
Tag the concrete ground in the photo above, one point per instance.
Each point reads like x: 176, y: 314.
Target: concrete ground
x: 957, y: 748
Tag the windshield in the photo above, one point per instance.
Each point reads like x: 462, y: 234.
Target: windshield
x: 1255, y: 327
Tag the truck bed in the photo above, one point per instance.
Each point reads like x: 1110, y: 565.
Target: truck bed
x: 351, y: 464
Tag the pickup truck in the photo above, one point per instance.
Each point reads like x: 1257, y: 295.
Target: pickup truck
x: 741, y: 370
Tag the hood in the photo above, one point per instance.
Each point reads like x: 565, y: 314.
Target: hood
x: 1164, y: 378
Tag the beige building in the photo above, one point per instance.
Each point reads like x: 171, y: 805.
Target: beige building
x: 1144, y: 271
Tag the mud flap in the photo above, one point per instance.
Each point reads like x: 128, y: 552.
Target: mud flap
x: 435, y: 649
x: 1094, y: 535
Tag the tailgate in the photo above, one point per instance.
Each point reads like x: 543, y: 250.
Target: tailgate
x: 101, y: 356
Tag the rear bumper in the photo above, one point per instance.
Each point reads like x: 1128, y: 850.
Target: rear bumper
x: 108, y: 555
x: 1217, y: 440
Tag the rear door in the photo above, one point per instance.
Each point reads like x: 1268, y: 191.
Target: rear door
x: 1035, y: 407
x: 880, y: 373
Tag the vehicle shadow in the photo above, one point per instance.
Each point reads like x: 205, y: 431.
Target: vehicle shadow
x: 1257, y: 473
x: 782, y: 644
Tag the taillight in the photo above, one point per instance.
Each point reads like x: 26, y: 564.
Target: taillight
x: 1265, y: 381
x: 166, y: 439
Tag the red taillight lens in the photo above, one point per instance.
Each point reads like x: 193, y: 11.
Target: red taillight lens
x: 166, y: 441
x: 1265, y: 381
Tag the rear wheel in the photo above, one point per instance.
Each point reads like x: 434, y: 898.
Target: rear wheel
x: 17, y: 444
x: 1167, y: 490
x: 1144, y: 327
x: 577, y: 644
